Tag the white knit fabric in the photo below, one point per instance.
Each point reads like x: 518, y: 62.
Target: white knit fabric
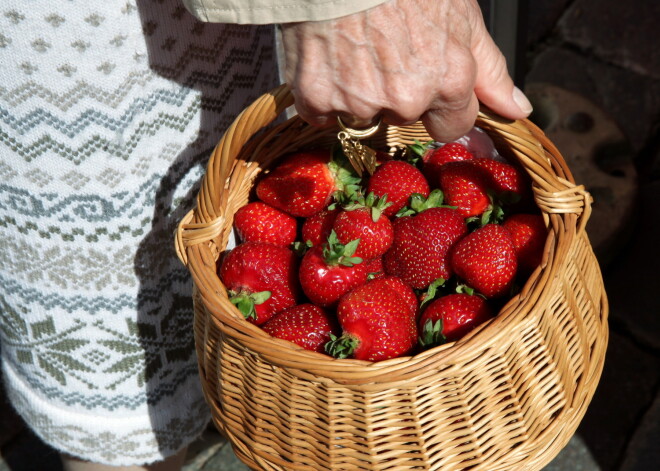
x: 108, y: 112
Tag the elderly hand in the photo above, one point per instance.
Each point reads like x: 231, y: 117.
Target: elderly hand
x: 403, y: 60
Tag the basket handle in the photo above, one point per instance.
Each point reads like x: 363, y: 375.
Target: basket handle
x: 555, y: 189
x: 207, y: 221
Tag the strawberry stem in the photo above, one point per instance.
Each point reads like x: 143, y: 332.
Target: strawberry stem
x: 245, y: 302
x: 432, y: 334
x: 494, y: 214
x: 415, y: 152
x: 341, y: 347
x: 432, y: 291
x: 346, y: 180
x: 335, y: 253
x: 372, y: 202
x: 418, y: 203
x: 300, y: 247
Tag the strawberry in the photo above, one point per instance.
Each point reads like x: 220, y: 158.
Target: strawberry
x: 486, y: 260
x: 508, y: 182
x: 465, y: 187
x: 317, y: 227
x: 330, y: 270
x: 375, y: 268
x: 435, y: 158
x: 451, y: 317
x: 261, y: 279
x: 450, y: 152
x: 398, y: 180
x: 259, y: 222
x: 377, y: 323
x: 306, y: 325
x: 364, y: 220
x: 404, y: 290
x: 304, y: 182
x: 420, y: 250
x: 528, y: 233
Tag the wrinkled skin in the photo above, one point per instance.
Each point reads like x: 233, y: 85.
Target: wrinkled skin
x: 403, y: 60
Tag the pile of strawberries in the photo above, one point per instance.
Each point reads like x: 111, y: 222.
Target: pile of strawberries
x: 417, y: 254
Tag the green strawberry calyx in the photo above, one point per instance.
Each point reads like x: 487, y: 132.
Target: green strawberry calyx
x: 300, y: 248
x: 245, y: 302
x: 432, y: 291
x: 418, y: 203
x: 495, y: 212
x: 346, y: 180
x: 374, y: 203
x: 431, y: 335
x: 341, y: 347
x: 465, y: 289
x: 335, y: 253
x: 415, y: 152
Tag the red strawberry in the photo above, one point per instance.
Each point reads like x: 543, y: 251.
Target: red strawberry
x: 317, y: 227
x: 261, y: 279
x: 450, y: 152
x: 486, y: 260
x: 328, y: 271
x: 464, y: 186
x: 377, y: 324
x: 435, y: 158
x: 398, y: 180
x: 451, y: 317
x: 306, y: 325
x: 364, y: 221
x: 529, y: 233
x: 420, y: 251
x: 375, y: 268
x: 504, y: 179
x: 259, y: 222
x: 404, y: 290
x: 303, y: 183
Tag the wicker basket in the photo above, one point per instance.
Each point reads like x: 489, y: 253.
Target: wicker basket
x: 506, y: 397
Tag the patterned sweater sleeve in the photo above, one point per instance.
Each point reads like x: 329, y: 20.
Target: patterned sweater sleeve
x: 274, y: 11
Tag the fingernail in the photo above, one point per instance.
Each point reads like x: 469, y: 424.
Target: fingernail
x: 522, y: 101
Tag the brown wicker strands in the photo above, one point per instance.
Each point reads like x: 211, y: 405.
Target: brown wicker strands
x: 506, y: 397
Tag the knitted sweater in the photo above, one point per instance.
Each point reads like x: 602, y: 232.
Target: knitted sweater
x: 108, y: 112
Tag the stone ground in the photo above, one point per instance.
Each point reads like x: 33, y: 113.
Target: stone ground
x: 604, y: 51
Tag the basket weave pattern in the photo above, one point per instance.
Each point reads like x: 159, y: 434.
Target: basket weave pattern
x: 508, y: 396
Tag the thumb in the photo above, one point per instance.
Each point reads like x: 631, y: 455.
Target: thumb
x: 494, y: 87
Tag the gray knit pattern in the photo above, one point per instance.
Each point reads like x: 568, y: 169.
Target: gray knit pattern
x: 108, y: 112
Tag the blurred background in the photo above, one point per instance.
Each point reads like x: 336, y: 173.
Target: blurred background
x: 592, y: 70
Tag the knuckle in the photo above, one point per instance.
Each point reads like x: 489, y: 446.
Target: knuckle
x: 457, y: 83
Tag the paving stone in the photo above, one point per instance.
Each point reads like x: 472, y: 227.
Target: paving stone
x: 574, y: 457
x: 599, y: 157
x: 630, y: 99
x: 634, y: 274
x: 626, y: 390
x: 651, y: 161
x: 203, y: 450
x: 10, y: 423
x: 29, y: 453
x: 542, y: 18
x: 618, y: 32
x: 643, y: 453
x: 224, y: 459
